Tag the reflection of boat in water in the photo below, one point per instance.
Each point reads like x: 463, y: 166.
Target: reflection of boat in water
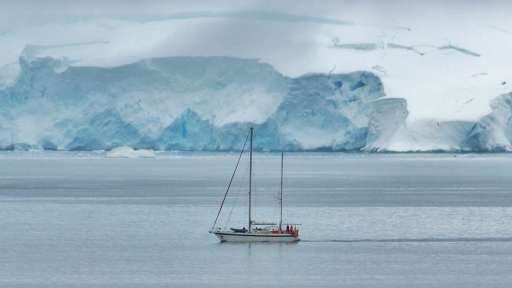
x: 258, y: 231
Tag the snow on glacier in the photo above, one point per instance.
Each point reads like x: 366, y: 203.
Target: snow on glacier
x: 448, y: 61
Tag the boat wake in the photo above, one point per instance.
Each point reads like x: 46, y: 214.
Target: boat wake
x: 487, y: 239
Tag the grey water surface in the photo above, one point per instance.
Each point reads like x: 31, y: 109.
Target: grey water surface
x: 72, y: 219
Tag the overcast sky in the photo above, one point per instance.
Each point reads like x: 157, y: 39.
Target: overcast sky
x: 383, y: 12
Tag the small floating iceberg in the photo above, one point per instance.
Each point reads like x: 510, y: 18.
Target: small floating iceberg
x: 127, y: 152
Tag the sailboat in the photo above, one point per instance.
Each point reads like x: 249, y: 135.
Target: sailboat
x: 257, y: 231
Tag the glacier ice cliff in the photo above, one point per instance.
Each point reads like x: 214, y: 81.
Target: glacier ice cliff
x: 208, y: 103
x: 183, y: 103
x: 99, y: 80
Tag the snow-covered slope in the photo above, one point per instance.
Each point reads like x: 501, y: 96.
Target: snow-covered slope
x: 388, y: 130
x: 158, y: 70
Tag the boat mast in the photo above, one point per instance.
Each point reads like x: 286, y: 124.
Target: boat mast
x: 250, y: 180
x: 281, y: 220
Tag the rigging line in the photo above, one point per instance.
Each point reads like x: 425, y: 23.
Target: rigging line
x: 237, y: 194
x: 255, y: 187
x: 230, y: 181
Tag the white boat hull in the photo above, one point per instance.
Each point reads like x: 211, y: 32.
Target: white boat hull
x: 226, y: 236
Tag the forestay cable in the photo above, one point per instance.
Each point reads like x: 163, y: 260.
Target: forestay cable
x: 230, y: 181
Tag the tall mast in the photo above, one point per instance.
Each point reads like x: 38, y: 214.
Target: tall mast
x: 281, y: 220
x: 250, y: 180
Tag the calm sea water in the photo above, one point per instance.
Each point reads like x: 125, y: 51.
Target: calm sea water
x: 386, y: 220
